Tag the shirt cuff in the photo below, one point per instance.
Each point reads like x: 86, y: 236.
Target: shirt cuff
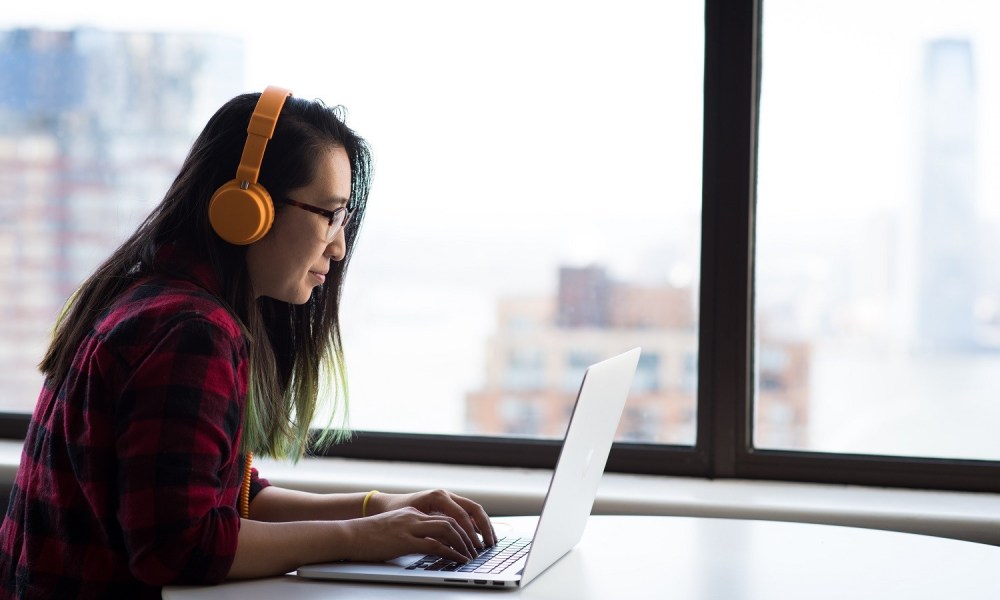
x: 257, y: 483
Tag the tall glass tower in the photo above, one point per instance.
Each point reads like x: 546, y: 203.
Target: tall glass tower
x: 93, y: 127
x: 947, y: 250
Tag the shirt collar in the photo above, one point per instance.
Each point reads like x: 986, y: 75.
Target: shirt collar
x: 183, y: 263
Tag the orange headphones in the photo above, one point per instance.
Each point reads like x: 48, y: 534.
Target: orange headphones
x: 241, y: 211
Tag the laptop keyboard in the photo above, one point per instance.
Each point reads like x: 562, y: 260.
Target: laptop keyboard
x: 491, y: 560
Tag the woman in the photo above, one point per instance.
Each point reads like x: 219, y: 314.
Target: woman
x: 183, y: 354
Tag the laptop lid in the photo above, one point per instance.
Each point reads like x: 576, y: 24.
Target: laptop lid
x: 589, y: 436
x: 568, y: 501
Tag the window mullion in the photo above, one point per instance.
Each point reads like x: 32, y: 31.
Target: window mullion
x: 731, y: 51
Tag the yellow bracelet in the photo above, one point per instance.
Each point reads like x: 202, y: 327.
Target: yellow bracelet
x: 364, y: 505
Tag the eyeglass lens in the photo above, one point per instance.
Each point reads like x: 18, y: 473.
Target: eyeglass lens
x: 339, y: 219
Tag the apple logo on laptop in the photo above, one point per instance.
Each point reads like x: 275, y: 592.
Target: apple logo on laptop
x: 586, y: 463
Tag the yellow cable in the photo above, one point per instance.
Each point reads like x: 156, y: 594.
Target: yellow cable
x: 245, y: 488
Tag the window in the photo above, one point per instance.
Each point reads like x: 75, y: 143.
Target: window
x: 556, y: 182
x: 527, y: 173
x: 877, y: 290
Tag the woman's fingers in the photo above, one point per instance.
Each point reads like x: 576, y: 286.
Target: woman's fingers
x: 448, y: 530
x: 477, y: 519
x: 464, y: 521
x: 473, y: 519
x: 470, y: 515
x: 408, y: 531
x: 444, y: 533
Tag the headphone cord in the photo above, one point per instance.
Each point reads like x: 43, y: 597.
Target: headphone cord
x: 245, y: 488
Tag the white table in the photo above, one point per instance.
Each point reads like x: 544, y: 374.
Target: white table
x: 681, y: 558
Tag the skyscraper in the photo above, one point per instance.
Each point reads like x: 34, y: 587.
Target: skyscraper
x: 947, y: 233
x: 93, y: 127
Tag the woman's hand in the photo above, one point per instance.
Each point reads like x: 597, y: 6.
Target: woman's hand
x: 409, y: 531
x: 470, y: 517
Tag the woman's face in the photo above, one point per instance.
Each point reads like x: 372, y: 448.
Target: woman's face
x: 294, y: 257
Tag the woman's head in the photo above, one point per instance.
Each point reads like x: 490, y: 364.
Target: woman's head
x: 297, y: 158
x: 284, y: 288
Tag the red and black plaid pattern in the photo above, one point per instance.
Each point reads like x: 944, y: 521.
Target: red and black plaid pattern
x: 131, y: 470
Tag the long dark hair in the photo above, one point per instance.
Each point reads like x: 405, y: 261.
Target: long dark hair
x: 294, y: 350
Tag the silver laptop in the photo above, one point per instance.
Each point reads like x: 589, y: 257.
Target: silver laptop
x: 570, y: 498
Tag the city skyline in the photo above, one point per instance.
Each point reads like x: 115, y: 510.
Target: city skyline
x: 852, y: 293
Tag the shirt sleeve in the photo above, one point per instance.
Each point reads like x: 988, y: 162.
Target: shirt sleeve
x: 177, y: 426
x: 257, y: 483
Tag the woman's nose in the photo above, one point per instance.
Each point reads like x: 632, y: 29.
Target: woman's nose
x: 337, y: 248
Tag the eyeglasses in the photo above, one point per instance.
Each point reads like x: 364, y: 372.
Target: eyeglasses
x: 337, y: 218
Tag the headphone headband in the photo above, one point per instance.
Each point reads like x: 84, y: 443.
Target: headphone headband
x: 259, y: 132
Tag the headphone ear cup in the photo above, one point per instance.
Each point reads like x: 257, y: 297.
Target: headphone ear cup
x: 241, y: 216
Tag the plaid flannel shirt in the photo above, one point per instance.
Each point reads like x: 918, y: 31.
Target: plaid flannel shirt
x: 131, y: 469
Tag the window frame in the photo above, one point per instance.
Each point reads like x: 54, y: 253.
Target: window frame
x: 724, y: 446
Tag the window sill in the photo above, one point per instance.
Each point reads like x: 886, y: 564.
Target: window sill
x: 506, y: 491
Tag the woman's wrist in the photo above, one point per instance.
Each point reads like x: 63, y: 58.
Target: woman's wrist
x: 367, y: 509
x: 378, y: 503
